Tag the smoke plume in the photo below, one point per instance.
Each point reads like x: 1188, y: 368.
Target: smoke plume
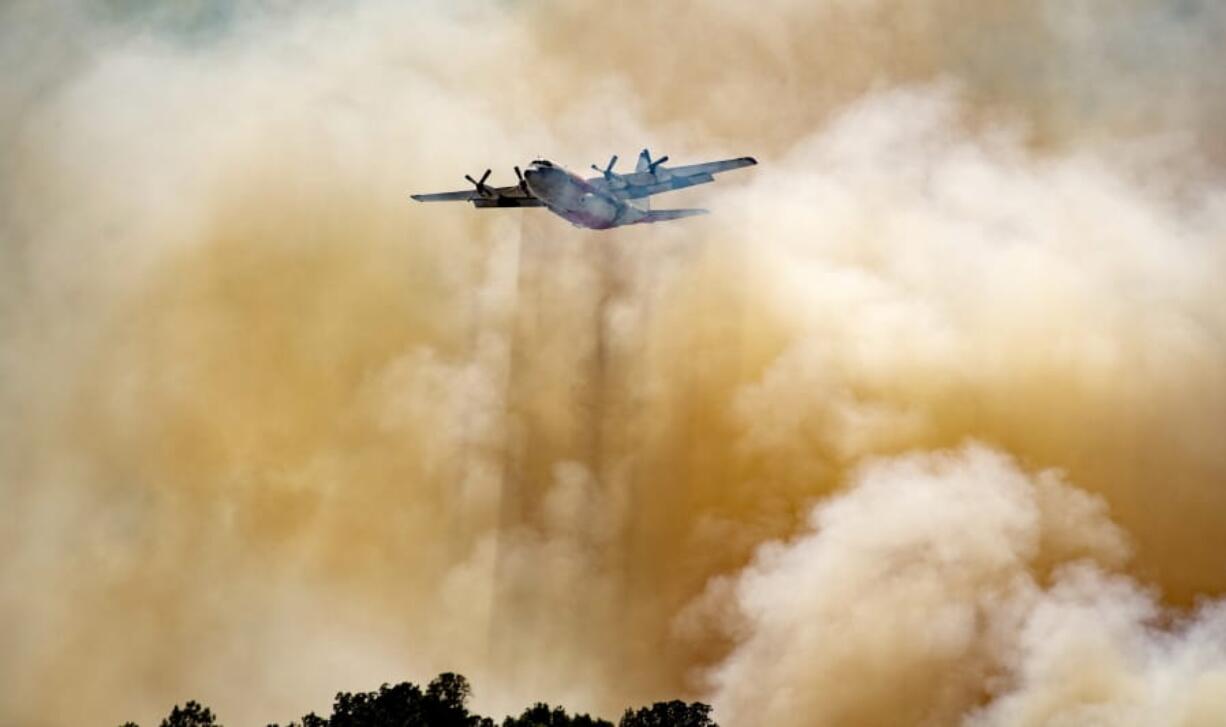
x: 921, y: 426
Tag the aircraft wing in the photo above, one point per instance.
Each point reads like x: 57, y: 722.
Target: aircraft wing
x: 666, y: 179
x: 464, y: 196
x: 512, y: 196
x: 711, y: 167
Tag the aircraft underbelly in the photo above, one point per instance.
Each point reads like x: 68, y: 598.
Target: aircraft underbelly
x: 587, y: 209
x: 597, y: 209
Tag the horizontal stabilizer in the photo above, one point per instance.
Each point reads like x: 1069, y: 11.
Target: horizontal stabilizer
x: 665, y: 215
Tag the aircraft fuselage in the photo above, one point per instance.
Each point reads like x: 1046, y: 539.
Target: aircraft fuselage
x: 571, y: 197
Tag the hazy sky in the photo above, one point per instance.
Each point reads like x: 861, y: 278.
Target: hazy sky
x: 922, y: 426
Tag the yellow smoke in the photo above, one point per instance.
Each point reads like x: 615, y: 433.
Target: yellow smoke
x: 272, y: 431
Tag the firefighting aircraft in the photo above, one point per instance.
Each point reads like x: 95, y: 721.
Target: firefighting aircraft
x: 597, y: 203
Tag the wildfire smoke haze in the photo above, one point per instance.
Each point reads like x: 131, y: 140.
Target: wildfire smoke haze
x: 922, y: 426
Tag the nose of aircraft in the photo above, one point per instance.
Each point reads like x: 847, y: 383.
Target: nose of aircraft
x: 535, y: 179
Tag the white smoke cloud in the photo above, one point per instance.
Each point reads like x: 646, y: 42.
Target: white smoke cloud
x: 1095, y: 648
x: 915, y: 578
x: 923, y: 576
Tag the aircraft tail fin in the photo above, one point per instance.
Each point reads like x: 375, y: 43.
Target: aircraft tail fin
x: 647, y: 164
x: 666, y: 215
x: 644, y: 161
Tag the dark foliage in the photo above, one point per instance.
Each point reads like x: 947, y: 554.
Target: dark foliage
x: 540, y: 715
x: 192, y: 714
x: 405, y: 705
x: 443, y: 703
x: 669, y: 714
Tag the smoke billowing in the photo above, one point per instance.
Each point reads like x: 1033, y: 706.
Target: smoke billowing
x: 922, y: 426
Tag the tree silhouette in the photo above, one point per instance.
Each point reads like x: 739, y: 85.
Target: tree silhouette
x: 310, y: 720
x: 450, y: 689
x: 441, y: 704
x: 444, y: 703
x: 669, y: 714
x: 540, y: 715
x: 192, y: 714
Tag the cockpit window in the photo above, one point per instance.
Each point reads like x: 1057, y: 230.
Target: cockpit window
x: 542, y: 163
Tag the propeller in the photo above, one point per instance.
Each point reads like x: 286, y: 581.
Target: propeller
x: 523, y: 186
x: 607, y: 171
x: 651, y: 166
x: 483, y: 190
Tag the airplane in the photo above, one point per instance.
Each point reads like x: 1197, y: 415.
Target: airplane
x: 598, y: 203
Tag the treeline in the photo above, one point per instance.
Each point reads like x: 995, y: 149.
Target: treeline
x: 444, y: 703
